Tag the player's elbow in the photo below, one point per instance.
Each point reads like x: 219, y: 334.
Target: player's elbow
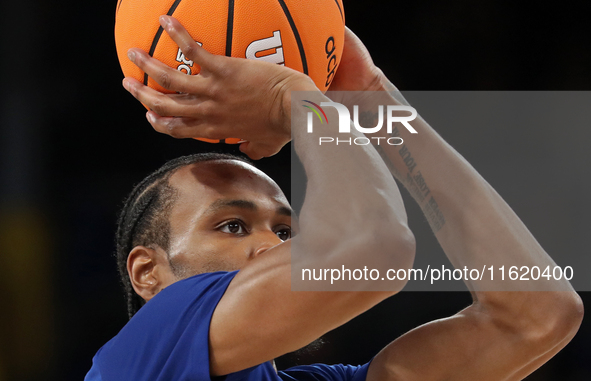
x: 541, y: 320
x: 402, y: 247
x: 381, y: 247
x: 393, y: 240
x: 391, y: 247
x: 564, y: 318
x: 562, y: 322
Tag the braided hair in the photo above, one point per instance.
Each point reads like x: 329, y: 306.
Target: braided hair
x: 144, y: 218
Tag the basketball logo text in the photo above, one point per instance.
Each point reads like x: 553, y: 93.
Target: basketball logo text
x: 331, y: 67
x: 256, y: 49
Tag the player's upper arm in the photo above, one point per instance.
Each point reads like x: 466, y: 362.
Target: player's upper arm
x: 260, y: 317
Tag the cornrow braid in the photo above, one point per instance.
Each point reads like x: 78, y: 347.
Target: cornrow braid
x: 144, y: 218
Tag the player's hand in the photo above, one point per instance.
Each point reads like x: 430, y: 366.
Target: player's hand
x: 231, y: 97
x: 356, y: 72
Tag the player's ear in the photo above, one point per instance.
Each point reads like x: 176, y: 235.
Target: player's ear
x: 145, y: 269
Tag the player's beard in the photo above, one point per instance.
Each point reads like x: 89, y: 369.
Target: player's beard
x: 183, y: 271
x: 179, y: 270
x: 311, y: 348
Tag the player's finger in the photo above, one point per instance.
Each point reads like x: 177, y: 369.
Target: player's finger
x: 188, y: 46
x: 354, y: 43
x: 246, y: 148
x: 163, y: 104
x: 257, y: 151
x: 165, y: 76
x: 184, y: 127
x: 350, y: 35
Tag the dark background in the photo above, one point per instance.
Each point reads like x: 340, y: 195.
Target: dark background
x: 73, y: 142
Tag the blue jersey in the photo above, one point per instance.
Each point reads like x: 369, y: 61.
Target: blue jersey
x: 168, y: 338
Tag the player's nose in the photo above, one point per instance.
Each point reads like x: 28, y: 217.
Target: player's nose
x: 265, y: 241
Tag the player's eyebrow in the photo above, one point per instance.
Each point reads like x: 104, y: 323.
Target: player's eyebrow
x: 218, y: 205
x: 285, y: 211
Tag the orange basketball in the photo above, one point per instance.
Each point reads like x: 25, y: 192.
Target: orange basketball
x: 305, y: 35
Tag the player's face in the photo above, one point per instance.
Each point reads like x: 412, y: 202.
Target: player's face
x: 227, y: 213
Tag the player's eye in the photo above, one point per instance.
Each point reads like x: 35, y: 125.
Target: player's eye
x: 233, y: 227
x: 284, y: 234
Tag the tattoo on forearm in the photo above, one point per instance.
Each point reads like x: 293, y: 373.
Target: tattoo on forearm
x: 417, y: 186
x: 409, y: 161
x: 434, y: 215
x: 414, y: 180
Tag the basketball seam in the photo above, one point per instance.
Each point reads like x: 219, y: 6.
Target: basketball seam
x: 230, y: 28
x: 158, y: 34
x: 296, y: 34
x: 119, y: 5
x: 340, y: 10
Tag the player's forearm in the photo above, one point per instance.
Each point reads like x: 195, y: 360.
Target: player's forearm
x: 476, y: 228
x: 474, y: 225
x: 351, y: 199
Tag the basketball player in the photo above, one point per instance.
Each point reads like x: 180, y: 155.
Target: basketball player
x: 204, y: 243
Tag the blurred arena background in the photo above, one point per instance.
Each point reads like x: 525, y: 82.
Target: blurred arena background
x: 73, y: 142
